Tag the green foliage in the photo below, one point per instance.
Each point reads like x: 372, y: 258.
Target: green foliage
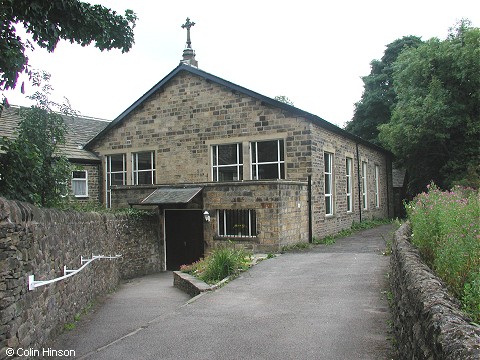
x: 284, y: 99
x: 221, y: 263
x: 32, y: 169
x: 296, y: 246
x: 378, y: 98
x: 356, y: 226
x: 435, y: 126
x: 446, y: 230
x: 50, y: 21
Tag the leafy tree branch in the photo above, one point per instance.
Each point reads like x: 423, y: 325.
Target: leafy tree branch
x: 49, y: 21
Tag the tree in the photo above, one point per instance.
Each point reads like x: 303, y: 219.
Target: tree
x: 50, y: 21
x: 435, y: 127
x: 283, y: 99
x: 378, y: 98
x: 31, y: 167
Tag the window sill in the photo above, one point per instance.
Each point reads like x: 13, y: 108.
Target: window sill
x: 81, y: 196
x: 236, y: 238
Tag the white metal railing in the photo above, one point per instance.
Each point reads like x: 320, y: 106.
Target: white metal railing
x: 32, y: 283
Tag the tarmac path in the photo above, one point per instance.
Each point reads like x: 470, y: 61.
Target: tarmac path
x: 328, y: 302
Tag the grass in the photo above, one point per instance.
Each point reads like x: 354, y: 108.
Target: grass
x: 446, y: 231
x: 219, y: 264
x: 76, y: 318
x: 356, y: 226
x: 331, y: 239
x: 296, y: 246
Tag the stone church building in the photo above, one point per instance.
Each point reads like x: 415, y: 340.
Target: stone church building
x: 223, y: 163
x: 226, y: 165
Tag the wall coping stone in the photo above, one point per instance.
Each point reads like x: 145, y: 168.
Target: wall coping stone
x: 189, y: 283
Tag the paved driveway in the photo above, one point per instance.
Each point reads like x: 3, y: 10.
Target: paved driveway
x: 324, y: 303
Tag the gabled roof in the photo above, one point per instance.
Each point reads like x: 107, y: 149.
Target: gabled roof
x: 80, y: 130
x: 235, y: 88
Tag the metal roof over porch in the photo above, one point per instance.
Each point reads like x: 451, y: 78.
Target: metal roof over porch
x: 171, y: 195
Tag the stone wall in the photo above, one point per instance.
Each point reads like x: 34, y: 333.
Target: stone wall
x: 281, y: 210
x: 182, y: 121
x: 427, y: 320
x: 342, y: 148
x: 40, y: 242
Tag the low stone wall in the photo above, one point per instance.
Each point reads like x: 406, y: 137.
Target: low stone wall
x: 190, y: 284
x: 40, y: 242
x: 427, y: 320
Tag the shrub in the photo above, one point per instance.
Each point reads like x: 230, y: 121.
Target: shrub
x: 221, y: 263
x: 446, y: 230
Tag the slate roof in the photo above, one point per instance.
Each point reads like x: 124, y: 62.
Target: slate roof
x: 81, y: 129
x: 235, y: 88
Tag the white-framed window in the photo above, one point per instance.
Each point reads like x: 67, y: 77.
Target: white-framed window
x: 237, y: 223
x: 349, y: 183
x: 116, y: 174
x: 328, y: 162
x: 143, y: 168
x: 377, y: 186
x: 268, y: 160
x: 80, y: 183
x: 364, y: 185
x: 227, y: 162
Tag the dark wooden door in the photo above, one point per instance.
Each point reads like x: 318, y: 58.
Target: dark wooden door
x: 183, y: 237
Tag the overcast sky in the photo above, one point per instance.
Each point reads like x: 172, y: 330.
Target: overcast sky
x: 313, y: 52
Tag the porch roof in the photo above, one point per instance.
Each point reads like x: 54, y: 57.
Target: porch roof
x: 171, y: 195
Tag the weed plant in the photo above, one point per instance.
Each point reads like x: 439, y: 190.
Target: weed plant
x: 446, y: 230
x: 221, y: 263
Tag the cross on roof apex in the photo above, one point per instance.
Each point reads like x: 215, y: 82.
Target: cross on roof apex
x: 188, y: 53
x: 187, y: 26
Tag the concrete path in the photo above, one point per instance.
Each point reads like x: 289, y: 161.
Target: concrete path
x: 325, y: 303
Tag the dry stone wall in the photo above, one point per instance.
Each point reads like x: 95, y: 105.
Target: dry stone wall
x: 427, y: 320
x: 40, y: 242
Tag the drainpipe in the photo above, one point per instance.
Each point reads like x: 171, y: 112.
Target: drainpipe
x: 387, y: 162
x: 310, y: 227
x: 359, y: 184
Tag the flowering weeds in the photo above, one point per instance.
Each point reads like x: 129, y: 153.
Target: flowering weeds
x: 446, y: 230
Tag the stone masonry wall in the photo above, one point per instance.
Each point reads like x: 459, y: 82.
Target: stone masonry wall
x: 182, y: 121
x: 94, y: 182
x: 427, y: 320
x: 40, y: 242
x: 342, y: 148
x: 281, y: 209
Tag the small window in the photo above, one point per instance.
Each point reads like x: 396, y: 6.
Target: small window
x: 227, y: 162
x: 143, y: 168
x: 268, y: 160
x: 377, y: 186
x: 348, y: 175
x: 328, y: 160
x: 80, y: 183
x: 364, y: 185
x: 237, y: 223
